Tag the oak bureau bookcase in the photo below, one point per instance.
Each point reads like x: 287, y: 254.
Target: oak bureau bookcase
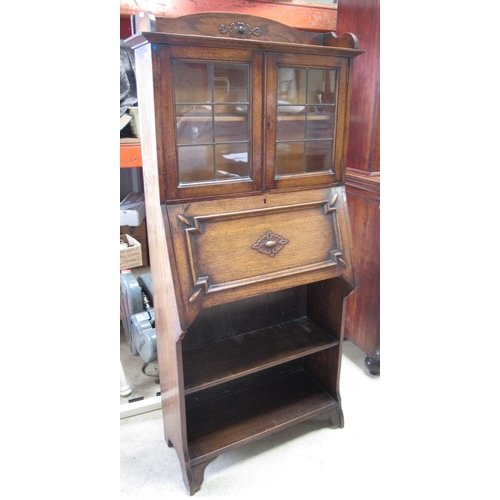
x: 244, y: 136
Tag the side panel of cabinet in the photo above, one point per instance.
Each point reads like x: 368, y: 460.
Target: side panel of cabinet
x: 168, y: 326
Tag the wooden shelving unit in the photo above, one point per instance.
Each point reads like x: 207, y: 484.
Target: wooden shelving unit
x: 250, y: 273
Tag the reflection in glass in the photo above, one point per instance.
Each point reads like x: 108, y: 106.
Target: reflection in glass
x: 320, y: 127
x: 191, y: 82
x: 320, y: 88
x: 193, y: 128
x: 212, y: 113
x: 196, y: 164
x: 305, y: 115
x: 318, y: 156
x: 232, y: 161
x: 230, y: 83
x: 290, y: 128
x: 291, y: 85
x: 289, y: 158
x: 230, y: 128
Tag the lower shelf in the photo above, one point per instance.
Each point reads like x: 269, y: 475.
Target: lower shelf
x: 224, y: 423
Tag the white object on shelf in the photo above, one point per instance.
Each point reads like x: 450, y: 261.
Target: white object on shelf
x: 287, y: 108
x: 132, y: 210
x: 237, y: 157
x: 134, y: 124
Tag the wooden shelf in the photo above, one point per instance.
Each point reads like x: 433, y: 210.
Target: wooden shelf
x: 224, y: 423
x: 251, y: 352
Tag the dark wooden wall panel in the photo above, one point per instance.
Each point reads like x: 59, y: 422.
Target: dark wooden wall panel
x: 363, y: 306
x: 362, y: 17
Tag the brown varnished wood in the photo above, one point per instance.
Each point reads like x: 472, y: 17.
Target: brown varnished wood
x: 327, y: 301
x: 363, y: 307
x: 197, y: 472
x: 236, y: 43
x: 316, y: 179
x: 240, y: 355
x: 224, y: 321
x: 167, y: 316
x: 176, y: 279
x: 258, y: 411
x: 363, y: 18
x: 167, y: 145
x: 363, y: 173
x: 250, y: 277
x: 347, y: 40
x: 214, y: 253
x: 209, y: 24
x: 239, y: 384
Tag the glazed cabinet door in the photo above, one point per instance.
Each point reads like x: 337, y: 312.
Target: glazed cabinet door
x: 305, y: 119
x: 212, y: 100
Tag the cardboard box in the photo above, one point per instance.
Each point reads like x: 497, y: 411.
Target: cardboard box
x: 132, y: 210
x: 130, y: 252
x: 139, y: 233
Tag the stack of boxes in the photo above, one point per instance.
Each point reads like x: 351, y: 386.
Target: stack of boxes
x: 133, y: 232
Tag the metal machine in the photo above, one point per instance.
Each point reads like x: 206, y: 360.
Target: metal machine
x: 138, y: 315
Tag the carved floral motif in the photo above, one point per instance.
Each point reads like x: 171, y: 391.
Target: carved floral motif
x: 270, y: 243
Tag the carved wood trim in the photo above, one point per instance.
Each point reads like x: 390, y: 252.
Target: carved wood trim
x: 240, y: 30
x: 270, y: 243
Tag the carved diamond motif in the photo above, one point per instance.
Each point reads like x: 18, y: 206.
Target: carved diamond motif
x: 270, y: 243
